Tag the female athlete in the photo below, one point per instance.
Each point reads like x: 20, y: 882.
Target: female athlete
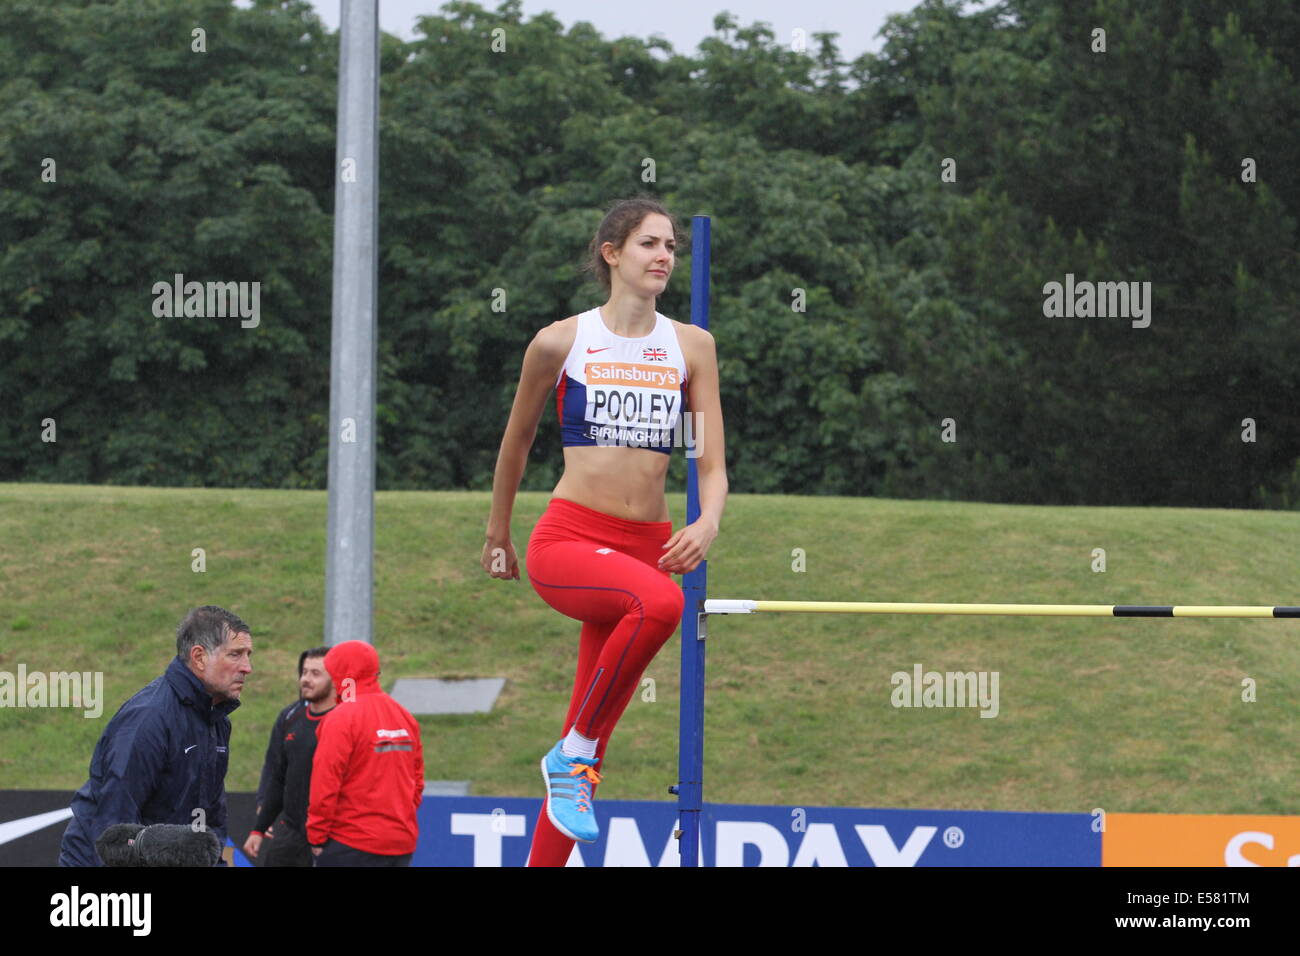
x: 630, y: 383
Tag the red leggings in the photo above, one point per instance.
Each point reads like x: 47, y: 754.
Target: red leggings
x: 603, y: 571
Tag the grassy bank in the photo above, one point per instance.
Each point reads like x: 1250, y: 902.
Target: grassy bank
x: 1129, y: 715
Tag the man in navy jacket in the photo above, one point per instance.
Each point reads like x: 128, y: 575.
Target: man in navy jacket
x: 163, y: 756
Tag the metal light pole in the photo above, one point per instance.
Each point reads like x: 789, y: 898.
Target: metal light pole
x: 349, y: 573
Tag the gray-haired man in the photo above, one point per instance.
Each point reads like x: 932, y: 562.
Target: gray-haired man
x: 163, y: 756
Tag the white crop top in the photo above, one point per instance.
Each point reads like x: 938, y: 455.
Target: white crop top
x: 616, y: 390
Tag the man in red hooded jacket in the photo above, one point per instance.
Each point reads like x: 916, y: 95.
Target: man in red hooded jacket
x: 368, y: 773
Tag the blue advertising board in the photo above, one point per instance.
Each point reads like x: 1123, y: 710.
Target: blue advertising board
x: 496, y: 831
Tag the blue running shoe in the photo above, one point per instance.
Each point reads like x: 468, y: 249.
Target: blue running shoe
x: 568, y: 794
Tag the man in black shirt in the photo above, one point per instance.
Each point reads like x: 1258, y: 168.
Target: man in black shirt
x: 286, y: 775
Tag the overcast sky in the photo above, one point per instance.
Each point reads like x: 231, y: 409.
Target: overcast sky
x: 684, y: 23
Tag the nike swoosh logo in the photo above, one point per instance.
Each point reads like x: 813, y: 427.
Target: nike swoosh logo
x: 190, y: 747
x: 11, y: 830
x: 591, y: 350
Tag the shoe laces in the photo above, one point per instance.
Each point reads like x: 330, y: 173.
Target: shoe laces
x: 587, y: 776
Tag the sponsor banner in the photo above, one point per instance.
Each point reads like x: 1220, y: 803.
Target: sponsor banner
x: 1177, y: 839
x: 497, y: 831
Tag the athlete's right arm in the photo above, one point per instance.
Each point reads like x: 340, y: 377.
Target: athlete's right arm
x: 542, y: 363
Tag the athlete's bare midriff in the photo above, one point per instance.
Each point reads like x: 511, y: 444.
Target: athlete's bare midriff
x: 623, y: 482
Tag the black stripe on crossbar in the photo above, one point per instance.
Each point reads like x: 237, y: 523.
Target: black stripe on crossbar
x: 1138, y: 610
x: 1286, y: 612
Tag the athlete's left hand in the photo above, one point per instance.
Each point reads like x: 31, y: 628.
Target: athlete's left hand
x: 688, y: 547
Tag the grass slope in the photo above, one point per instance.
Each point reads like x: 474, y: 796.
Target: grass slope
x: 1129, y: 715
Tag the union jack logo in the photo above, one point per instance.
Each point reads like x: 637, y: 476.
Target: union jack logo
x: 654, y: 355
